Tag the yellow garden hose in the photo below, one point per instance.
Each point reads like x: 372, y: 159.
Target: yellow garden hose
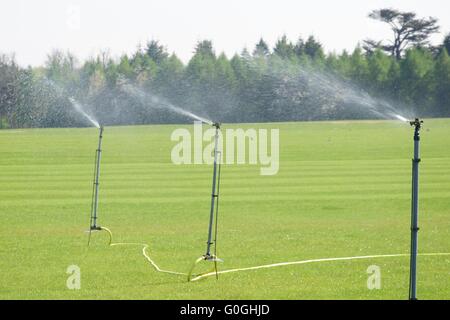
x: 144, y: 252
x: 109, y: 232
x: 214, y: 271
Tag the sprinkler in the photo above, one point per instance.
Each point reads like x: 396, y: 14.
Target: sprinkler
x: 213, y: 214
x: 417, y: 124
x: 214, y: 198
x: 95, y: 187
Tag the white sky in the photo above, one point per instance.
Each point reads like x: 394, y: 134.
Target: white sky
x: 33, y: 28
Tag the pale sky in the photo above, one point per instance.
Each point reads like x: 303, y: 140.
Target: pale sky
x: 32, y: 29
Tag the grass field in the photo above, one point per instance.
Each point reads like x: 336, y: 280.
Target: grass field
x: 343, y: 189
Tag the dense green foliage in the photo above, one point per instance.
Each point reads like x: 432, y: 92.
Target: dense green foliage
x: 250, y: 87
x: 343, y: 190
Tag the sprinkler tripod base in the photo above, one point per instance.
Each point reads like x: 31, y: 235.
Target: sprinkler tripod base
x: 98, y: 228
x: 211, y: 257
x: 205, y: 257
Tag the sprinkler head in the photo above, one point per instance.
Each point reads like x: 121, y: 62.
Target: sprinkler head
x: 416, y: 123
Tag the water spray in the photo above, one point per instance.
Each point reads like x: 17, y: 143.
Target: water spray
x: 154, y: 101
x: 417, y: 124
x: 80, y: 109
x: 214, y: 210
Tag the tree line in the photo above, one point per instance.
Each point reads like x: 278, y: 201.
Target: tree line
x: 258, y: 85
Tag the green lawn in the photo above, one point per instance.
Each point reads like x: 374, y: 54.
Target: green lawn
x: 343, y: 189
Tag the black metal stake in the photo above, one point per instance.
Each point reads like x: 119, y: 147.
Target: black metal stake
x: 414, y: 210
x: 94, y: 204
x: 214, y: 196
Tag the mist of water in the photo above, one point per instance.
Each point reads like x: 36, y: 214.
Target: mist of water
x: 351, y: 96
x: 333, y: 94
x: 300, y: 93
x: 157, y: 102
x: 79, y: 108
x: 75, y: 104
x: 401, y: 118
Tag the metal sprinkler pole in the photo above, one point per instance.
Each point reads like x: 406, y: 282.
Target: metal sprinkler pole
x: 94, y: 207
x: 214, y: 195
x: 414, y: 210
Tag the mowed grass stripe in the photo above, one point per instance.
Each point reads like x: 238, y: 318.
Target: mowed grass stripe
x: 342, y: 189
